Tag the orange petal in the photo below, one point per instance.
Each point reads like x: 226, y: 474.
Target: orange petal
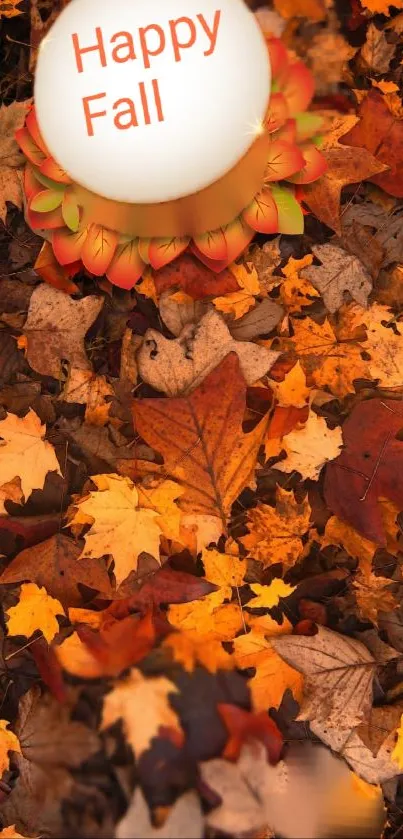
x: 51, y: 272
x: 262, y: 214
x: 45, y: 221
x: 30, y: 149
x: 216, y: 265
x: 98, y: 249
x: 315, y: 165
x: 127, y: 266
x: 212, y: 244
x: 31, y: 185
x: 298, y: 88
x: 31, y: 124
x: 238, y: 235
x: 283, y: 160
x: 287, y: 133
x: 163, y: 251
x: 278, y: 57
x: 52, y: 170
x: 277, y: 113
x: 67, y: 246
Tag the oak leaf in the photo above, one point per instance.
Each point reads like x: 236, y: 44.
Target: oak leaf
x: 201, y: 439
x: 12, y: 117
x: 275, y: 533
x: 332, y: 361
x: 8, y: 743
x: 55, y: 329
x: 179, y: 366
x: 118, y: 526
x: 340, y: 272
x: 380, y: 133
x: 24, y: 453
x: 309, y: 448
x: 338, y: 676
x: 269, y: 596
x: 54, y: 565
x: 346, y: 165
x: 35, y: 610
x: 368, y: 467
x: 136, y: 699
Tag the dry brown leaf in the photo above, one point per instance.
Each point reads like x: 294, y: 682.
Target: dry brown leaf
x: 85, y: 388
x: 8, y: 743
x: 179, y: 366
x: 376, y: 54
x: 275, y: 533
x: 333, y: 362
x: 328, y: 57
x: 55, y: 329
x: 25, y: 454
x: 201, y: 439
x: 373, y: 595
x: 340, y: 272
x: 12, y: 117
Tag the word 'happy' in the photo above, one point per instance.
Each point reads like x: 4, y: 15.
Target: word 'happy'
x: 183, y: 33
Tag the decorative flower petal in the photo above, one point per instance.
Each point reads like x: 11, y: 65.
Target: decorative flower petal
x: 287, y: 133
x: 46, y: 200
x: 308, y: 125
x: 238, y: 234
x: 298, y: 88
x: 278, y: 57
x: 144, y: 249
x: 45, y: 221
x: 216, y: 265
x: 127, y: 266
x: 98, y: 249
x: 52, y: 170
x: 283, y: 160
x: 31, y: 123
x: 262, y: 213
x: 28, y: 147
x: 163, y: 251
x: 277, y: 113
x: 31, y: 184
x: 67, y: 246
x: 212, y: 244
x: 290, y: 215
x: 71, y: 211
x: 315, y: 166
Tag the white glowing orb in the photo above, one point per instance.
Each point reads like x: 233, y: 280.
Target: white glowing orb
x: 181, y: 88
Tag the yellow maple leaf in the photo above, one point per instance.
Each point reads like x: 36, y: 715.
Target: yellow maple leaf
x: 160, y: 496
x: 310, y: 447
x: 292, y: 391
x: 224, y: 570
x: 119, y: 527
x: 275, y: 533
x: 9, y: 742
x: 36, y: 609
x: 373, y: 595
x: 269, y: 596
x: 397, y: 754
x: 188, y: 650
x: 295, y: 292
x: 273, y: 676
x: 338, y: 532
x: 74, y: 656
x: 10, y: 832
x: 238, y: 303
x: 331, y: 363
x: 8, y: 8
x: 85, y: 388
x: 142, y: 704
x: 24, y: 453
x: 381, y: 6
x: 206, y: 618
x: 146, y: 286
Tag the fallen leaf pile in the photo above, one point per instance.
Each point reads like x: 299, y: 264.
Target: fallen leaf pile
x: 201, y: 493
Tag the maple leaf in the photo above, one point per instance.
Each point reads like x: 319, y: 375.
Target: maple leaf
x: 190, y: 649
x: 118, y: 526
x: 385, y: 346
x: 12, y: 117
x: 239, y: 302
x: 367, y: 469
x: 338, y: 677
x: 308, y: 448
x: 333, y: 362
x: 35, y: 610
x: 53, y: 564
x: 273, y: 675
x: 8, y: 743
x: 85, y: 388
x: 339, y: 273
x: 346, y: 165
x: 10, y: 832
x: 200, y: 437
x: 275, y: 532
x: 292, y: 390
x: 373, y: 595
x: 137, y: 697
x: 194, y: 278
x: 55, y: 329
x: 269, y: 596
x: 160, y: 496
x: 185, y: 819
x: 207, y: 618
x: 243, y: 726
x: 224, y: 570
x: 295, y: 292
x: 381, y: 134
x: 8, y: 9
x: 24, y: 453
x: 179, y: 366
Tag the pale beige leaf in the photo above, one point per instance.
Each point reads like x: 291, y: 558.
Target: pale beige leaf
x: 185, y: 820
x: 12, y: 117
x: 340, y: 272
x: 24, y: 453
x: 310, y: 448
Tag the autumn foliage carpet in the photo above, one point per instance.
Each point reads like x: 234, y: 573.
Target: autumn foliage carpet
x: 201, y: 495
